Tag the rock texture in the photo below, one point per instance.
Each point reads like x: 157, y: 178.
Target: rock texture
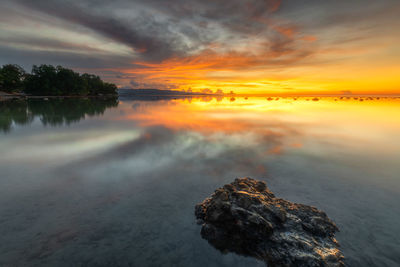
x: 245, y: 217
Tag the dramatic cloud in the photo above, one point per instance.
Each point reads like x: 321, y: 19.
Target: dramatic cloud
x: 108, y: 26
x: 260, y: 44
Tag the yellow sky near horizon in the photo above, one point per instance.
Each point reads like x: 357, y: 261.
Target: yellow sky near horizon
x: 368, y: 68
x: 244, y: 46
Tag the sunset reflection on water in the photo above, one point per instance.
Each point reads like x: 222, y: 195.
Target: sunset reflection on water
x: 285, y: 123
x: 120, y: 185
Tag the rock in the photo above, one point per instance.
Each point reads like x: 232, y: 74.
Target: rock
x: 245, y: 217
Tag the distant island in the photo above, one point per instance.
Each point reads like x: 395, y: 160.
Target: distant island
x: 47, y: 80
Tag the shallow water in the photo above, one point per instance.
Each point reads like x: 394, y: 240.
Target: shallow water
x: 97, y: 183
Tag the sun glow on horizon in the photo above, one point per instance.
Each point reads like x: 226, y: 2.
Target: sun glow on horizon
x: 287, y: 119
x: 248, y: 47
x: 243, y: 75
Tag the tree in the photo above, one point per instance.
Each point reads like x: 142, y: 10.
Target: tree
x: 11, y: 78
x: 42, y: 81
x: 47, y: 80
x: 1, y: 79
x: 70, y: 82
x: 96, y: 86
x: 93, y: 83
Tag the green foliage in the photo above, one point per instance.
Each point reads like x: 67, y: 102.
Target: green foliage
x: 47, y: 80
x: 52, y: 112
x: 96, y: 86
x: 13, y: 111
x: 11, y: 78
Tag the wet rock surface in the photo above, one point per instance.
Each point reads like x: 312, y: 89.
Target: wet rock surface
x: 246, y: 218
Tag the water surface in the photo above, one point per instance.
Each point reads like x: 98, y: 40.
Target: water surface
x: 87, y: 182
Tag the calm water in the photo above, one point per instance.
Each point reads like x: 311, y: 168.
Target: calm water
x: 97, y: 183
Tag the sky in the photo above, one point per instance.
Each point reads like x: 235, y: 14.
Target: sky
x: 244, y: 46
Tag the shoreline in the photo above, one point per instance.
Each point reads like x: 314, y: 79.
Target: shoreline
x: 5, y: 96
x: 8, y: 96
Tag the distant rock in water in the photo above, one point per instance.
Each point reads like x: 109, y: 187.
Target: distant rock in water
x: 245, y: 217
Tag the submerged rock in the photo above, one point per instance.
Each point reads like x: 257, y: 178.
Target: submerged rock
x: 245, y: 217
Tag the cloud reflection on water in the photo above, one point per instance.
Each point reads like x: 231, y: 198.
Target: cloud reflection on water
x: 130, y: 196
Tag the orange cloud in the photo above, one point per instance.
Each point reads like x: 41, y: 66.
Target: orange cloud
x: 210, y: 69
x: 282, y: 59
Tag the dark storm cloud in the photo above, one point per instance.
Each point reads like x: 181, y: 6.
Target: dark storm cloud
x: 48, y: 44
x: 127, y: 35
x: 26, y: 58
x: 158, y: 30
x: 317, y: 15
x: 150, y: 46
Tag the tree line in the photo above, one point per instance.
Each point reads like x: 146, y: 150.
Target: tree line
x: 47, y: 80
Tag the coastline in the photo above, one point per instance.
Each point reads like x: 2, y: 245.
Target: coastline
x: 9, y: 96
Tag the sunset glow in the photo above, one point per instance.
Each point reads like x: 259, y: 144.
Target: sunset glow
x: 273, y: 117
x: 196, y: 133
x: 248, y: 47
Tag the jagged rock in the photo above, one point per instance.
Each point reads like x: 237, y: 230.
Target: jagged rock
x: 245, y: 217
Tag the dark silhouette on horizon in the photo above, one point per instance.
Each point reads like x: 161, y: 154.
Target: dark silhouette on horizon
x: 47, y: 80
